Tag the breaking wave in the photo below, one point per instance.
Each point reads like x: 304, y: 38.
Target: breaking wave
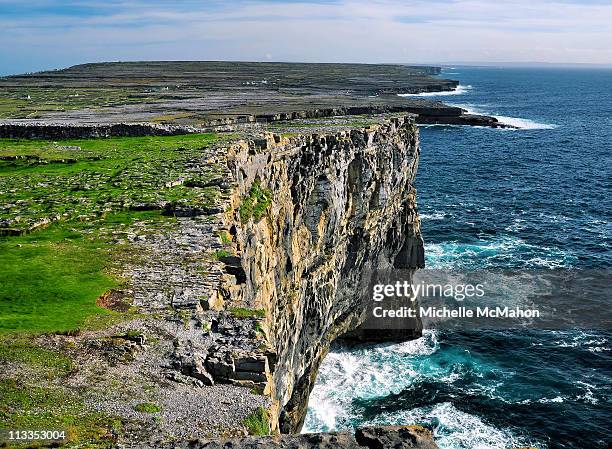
x: 503, y: 251
x: 523, y: 123
x: 517, y: 122
x: 460, y: 89
x: 454, y: 429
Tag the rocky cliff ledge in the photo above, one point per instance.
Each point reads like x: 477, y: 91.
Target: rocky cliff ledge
x: 339, y: 204
x: 425, y: 113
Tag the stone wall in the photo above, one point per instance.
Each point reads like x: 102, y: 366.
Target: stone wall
x: 73, y: 131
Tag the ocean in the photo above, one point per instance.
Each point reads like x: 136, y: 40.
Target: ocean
x: 534, y: 197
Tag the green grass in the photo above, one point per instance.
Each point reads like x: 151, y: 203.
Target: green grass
x: 126, y: 146
x: 221, y: 253
x: 28, y: 403
x: 134, y: 333
x: 147, y: 407
x: 85, y: 177
x: 51, y: 284
x: 259, y: 329
x: 88, y: 188
x: 51, y: 278
x: 255, y: 203
x: 225, y: 237
x: 258, y: 423
x: 241, y: 312
x: 22, y: 350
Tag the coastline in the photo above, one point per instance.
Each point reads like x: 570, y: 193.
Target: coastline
x: 230, y: 337
x: 300, y: 199
x: 494, y: 200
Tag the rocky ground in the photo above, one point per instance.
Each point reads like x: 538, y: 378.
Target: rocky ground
x: 205, y: 94
x: 396, y: 437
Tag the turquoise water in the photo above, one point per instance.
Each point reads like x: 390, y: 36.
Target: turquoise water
x: 535, y: 197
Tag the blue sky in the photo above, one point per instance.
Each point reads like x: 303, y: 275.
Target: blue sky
x: 42, y: 34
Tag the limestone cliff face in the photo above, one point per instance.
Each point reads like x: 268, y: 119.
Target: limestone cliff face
x: 340, y: 204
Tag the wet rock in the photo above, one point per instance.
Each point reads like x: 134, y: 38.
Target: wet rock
x: 398, y: 437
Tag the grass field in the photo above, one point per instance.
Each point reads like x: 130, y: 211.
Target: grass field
x: 51, y: 278
x: 91, y: 191
x: 67, y: 209
x: 46, y: 180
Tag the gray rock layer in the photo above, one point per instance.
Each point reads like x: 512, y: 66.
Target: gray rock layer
x: 342, y: 204
x: 390, y: 437
x: 426, y: 113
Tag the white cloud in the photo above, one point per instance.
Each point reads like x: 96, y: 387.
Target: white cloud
x: 350, y: 30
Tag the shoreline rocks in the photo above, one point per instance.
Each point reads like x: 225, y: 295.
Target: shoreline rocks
x: 377, y: 437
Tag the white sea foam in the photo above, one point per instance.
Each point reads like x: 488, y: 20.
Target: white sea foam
x: 453, y: 428
x: 455, y: 255
x: 433, y: 216
x: 390, y: 368
x: 365, y: 373
x: 588, y: 395
x: 460, y: 89
x: 469, y: 107
x: 426, y: 345
x: 556, y: 399
x: 519, y: 123
x: 598, y: 349
x: 523, y: 123
x: 518, y: 224
x: 585, y: 340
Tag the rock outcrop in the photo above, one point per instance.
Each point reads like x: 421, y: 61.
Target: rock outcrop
x: 36, y: 130
x: 384, y: 437
x: 339, y: 205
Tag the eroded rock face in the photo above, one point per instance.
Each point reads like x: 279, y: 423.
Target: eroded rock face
x: 384, y: 437
x: 341, y: 205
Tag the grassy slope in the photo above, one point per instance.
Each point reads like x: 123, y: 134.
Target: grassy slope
x: 50, y: 281
x: 52, y: 277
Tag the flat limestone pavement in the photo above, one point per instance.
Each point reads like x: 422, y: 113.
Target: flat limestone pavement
x: 217, y: 94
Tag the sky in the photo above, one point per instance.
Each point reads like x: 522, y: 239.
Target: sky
x: 44, y: 34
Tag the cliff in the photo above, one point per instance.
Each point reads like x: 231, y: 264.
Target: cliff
x: 339, y: 205
x: 238, y: 270
x: 227, y: 262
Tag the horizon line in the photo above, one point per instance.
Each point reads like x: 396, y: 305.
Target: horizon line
x: 442, y: 64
